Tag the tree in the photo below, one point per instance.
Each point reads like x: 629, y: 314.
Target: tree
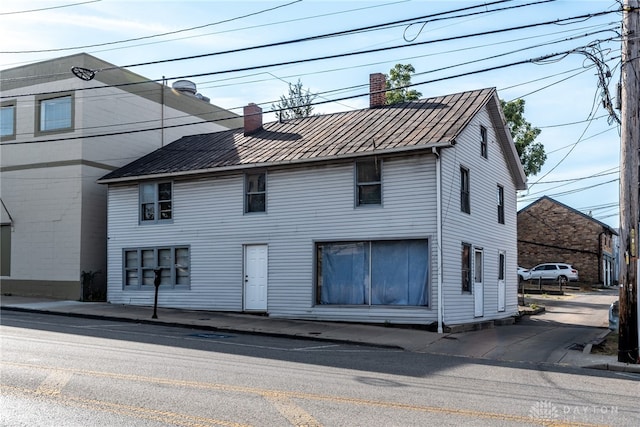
x: 397, y: 81
x: 532, y: 155
x: 296, y: 105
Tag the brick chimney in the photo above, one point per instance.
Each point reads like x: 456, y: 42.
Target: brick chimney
x: 377, y: 90
x: 252, y: 119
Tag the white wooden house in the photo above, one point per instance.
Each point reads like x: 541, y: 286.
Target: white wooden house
x: 401, y: 214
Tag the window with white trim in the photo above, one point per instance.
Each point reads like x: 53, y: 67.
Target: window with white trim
x: 140, y: 265
x: 156, y: 202
x: 255, y: 187
x: 369, y: 182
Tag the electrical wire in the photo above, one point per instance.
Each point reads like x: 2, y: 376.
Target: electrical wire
x: 155, y: 35
x: 435, y: 80
x: 48, y: 8
x: 250, y: 27
x: 342, y: 55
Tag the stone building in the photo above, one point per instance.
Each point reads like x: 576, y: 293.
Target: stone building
x: 549, y: 231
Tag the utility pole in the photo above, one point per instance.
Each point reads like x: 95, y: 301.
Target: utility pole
x: 629, y: 184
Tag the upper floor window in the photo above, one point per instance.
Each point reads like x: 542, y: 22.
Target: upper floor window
x: 55, y: 114
x: 500, y: 204
x: 8, y: 120
x: 155, y: 202
x: 483, y: 142
x: 255, y: 187
x: 369, y: 182
x: 465, y: 202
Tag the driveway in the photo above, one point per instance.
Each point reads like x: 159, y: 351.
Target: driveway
x: 557, y: 335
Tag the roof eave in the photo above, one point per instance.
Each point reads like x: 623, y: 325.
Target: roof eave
x: 234, y: 168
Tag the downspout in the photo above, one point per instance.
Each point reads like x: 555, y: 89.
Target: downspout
x: 436, y: 152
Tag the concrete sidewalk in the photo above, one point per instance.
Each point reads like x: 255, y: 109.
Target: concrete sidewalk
x: 525, y: 341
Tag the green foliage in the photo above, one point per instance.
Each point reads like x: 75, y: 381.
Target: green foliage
x: 397, y: 81
x: 532, y: 155
x: 296, y: 105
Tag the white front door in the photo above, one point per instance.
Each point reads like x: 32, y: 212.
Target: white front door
x: 255, y: 277
x: 502, y: 287
x: 478, y: 285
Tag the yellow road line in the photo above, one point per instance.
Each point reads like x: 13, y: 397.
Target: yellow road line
x: 468, y: 413
x: 292, y: 412
x: 54, y: 383
x: 169, y: 417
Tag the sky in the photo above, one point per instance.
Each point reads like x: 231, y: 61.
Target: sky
x: 561, y: 57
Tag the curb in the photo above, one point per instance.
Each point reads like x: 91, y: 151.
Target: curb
x: 635, y: 369
x: 175, y: 324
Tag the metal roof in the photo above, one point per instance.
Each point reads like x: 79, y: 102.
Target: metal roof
x: 402, y: 127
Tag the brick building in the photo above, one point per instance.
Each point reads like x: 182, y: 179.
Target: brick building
x: 549, y: 231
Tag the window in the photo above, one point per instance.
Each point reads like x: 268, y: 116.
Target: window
x: 368, y: 182
x: 465, y: 203
x: 155, y: 202
x: 140, y: 265
x: 500, y: 204
x: 373, y: 273
x: 483, y: 142
x: 8, y: 120
x: 466, y: 267
x: 255, y: 187
x: 55, y: 114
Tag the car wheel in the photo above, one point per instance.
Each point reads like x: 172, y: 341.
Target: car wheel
x: 562, y: 280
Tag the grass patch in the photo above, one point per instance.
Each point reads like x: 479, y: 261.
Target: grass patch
x: 609, y: 346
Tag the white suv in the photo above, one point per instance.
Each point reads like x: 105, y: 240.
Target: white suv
x: 554, y: 271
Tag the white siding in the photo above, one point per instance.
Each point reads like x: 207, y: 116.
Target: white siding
x: 303, y: 206
x: 480, y: 228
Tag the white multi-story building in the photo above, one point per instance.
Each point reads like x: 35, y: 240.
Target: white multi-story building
x: 59, y: 134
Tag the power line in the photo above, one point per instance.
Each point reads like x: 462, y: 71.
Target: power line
x: 533, y: 60
x: 47, y: 8
x: 327, y: 92
x: 155, y: 35
x: 326, y: 57
x: 251, y: 27
x: 238, y: 50
x: 346, y: 32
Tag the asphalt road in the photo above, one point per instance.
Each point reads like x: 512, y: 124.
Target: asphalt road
x: 63, y: 371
